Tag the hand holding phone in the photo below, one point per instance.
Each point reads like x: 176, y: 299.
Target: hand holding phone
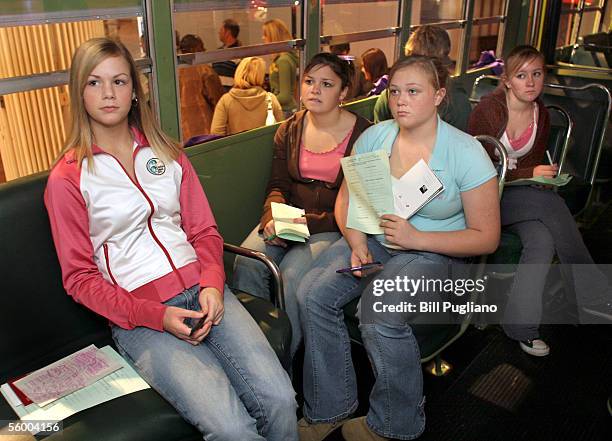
x: 366, y: 266
x: 198, y: 326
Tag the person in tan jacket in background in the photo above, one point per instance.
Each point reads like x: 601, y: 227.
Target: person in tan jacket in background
x: 245, y: 106
x: 200, y: 90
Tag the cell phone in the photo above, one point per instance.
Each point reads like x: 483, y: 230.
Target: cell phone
x: 360, y: 267
x: 197, y: 326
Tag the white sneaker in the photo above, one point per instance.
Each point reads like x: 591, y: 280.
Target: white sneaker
x: 536, y: 347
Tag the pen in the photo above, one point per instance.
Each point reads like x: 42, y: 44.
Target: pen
x: 273, y: 236
x: 549, y: 158
x: 360, y: 267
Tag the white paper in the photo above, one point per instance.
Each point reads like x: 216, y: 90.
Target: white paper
x: 368, y: 177
x: 414, y: 189
x: 121, y: 382
x: 284, y: 226
x: 10, y: 396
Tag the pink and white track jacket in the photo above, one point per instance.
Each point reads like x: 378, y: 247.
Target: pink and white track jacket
x: 126, y: 246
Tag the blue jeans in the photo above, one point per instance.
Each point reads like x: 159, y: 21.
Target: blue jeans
x: 231, y: 386
x: 253, y: 277
x: 330, y: 388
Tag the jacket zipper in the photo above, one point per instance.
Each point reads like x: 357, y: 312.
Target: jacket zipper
x: 149, y: 223
x: 107, y: 259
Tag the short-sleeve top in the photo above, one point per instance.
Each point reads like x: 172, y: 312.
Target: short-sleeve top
x: 458, y: 160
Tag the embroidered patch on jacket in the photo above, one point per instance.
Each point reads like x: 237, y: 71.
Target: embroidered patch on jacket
x: 156, y: 166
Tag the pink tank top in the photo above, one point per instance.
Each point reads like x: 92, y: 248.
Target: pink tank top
x: 323, y: 166
x: 524, y: 138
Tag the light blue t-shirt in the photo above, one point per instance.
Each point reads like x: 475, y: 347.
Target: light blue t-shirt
x: 458, y: 160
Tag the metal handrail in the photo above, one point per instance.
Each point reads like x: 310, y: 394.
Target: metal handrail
x: 503, y: 159
x: 580, y: 67
x: 360, y: 36
x: 603, y: 133
x: 241, y: 52
x: 279, y: 293
x: 597, y: 47
x: 568, y: 134
x: 26, y: 83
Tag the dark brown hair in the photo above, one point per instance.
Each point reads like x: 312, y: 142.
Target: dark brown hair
x: 375, y: 63
x: 191, y: 43
x: 340, y: 67
x: 232, y: 26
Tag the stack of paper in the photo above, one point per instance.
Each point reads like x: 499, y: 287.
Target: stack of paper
x: 54, y: 404
x: 284, y: 226
x: 67, y: 375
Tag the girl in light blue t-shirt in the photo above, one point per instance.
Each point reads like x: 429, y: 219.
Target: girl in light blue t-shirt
x: 462, y: 221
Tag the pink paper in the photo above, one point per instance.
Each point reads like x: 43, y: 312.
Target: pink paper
x: 66, y: 375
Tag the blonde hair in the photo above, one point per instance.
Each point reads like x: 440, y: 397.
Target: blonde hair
x: 250, y: 73
x: 431, y: 41
x: 431, y: 66
x: 276, y: 30
x: 80, y: 138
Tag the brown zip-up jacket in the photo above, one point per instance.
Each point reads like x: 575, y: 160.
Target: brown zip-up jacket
x: 287, y: 186
x: 490, y: 117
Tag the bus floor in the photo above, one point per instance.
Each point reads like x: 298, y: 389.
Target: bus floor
x: 496, y: 392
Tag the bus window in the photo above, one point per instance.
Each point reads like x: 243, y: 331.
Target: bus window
x: 342, y: 17
x: 436, y: 11
x: 34, y: 68
x: 227, y: 35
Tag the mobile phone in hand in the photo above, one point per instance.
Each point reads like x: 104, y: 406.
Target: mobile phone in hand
x: 197, y: 326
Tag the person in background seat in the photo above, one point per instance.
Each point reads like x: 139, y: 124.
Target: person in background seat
x: 138, y: 244
x: 245, y: 106
x: 306, y: 173
x: 516, y: 115
x: 228, y: 35
x: 359, y: 85
x: 283, y: 70
x: 200, y: 90
x: 433, y: 41
x: 376, y: 71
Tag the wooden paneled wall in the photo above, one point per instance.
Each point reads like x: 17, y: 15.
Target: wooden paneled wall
x: 33, y: 124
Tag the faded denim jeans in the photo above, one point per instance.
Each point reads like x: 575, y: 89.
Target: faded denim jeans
x: 330, y: 387
x: 231, y: 386
x: 294, y: 262
x: 546, y: 227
